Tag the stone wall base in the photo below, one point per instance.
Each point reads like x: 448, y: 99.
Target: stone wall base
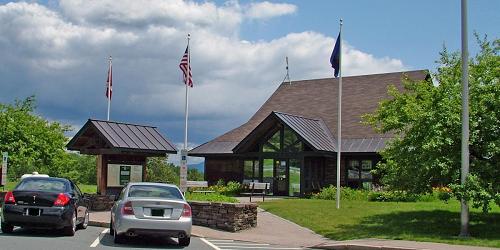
x: 230, y: 217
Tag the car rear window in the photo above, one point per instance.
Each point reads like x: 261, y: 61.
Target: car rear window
x: 152, y: 191
x: 47, y: 185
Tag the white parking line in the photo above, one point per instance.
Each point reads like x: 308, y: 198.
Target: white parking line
x: 209, y: 243
x: 258, y: 247
x: 96, y: 241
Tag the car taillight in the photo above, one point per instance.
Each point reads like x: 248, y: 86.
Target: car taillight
x: 127, y: 208
x: 186, y: 211
x: 9, y: 198
x: 62, y: 200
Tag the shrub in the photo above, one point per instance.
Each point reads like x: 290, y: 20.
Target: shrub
x: 213, y: 197
x: 398, y: 196
x: 330, y: 193
x: 231, y: 188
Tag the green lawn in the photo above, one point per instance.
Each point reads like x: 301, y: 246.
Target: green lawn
x: 420, y: 221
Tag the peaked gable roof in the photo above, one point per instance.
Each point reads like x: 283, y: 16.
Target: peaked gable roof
x: 318, y: 98
x: 98, y: 134
x: 311, y: 131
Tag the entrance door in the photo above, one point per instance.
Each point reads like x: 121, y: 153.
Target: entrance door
x: 280, y: 177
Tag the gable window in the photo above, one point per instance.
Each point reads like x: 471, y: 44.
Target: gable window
x: 284, y: 140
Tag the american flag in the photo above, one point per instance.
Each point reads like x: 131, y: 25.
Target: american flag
x: 109, y: 82
x: 186, y: 68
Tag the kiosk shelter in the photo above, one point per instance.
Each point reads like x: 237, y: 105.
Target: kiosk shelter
x: 121, y: 149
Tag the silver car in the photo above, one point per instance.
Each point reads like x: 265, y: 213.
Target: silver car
x: 151, y: 209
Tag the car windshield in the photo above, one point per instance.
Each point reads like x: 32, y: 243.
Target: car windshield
x: 39, y: 184
x: 153, y: 191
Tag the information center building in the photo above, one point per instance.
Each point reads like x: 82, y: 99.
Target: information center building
x: 291, y: 141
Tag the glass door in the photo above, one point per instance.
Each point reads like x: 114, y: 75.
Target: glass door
x: 281, y: 177
x: 268, y: 173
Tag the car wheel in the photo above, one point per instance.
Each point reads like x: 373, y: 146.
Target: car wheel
x: 117, y: 239
x: 71, y: 229
x: 7, y: 228
x: 111, y: 228
x: 85, y: 221
x: 184, y: 242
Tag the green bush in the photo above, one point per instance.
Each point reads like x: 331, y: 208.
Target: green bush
x: 232, y: 188
x: 213, y: 197
x: 330, y: 193
x: 398, y: 196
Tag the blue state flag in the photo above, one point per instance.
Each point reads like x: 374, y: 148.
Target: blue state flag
x: 335, y: 57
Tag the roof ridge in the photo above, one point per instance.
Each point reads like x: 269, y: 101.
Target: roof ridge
x: 125, y: 123
x: 299, y: 116
x: 354, y: 76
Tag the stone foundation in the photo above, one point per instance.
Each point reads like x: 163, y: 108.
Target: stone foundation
x: 100, y: 202
x: 225, y: 216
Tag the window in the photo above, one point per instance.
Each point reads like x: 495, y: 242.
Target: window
x: 43, y: 184
x: 251, y: 170
x: 284, y: 140
x: 153, y: 191
x: 294, y: 172
x: 359, y: 173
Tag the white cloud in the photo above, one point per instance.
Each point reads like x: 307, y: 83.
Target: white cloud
x: 60, y: 55
x: 265, y: 10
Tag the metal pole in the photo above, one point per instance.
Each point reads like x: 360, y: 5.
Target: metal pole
x: 109, y: 85
x: 464, y: 215
x: 339, y: 122
x: 187, y: 97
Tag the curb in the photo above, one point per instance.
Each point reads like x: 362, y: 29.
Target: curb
x: 98, y: 224
x: 362, y: 247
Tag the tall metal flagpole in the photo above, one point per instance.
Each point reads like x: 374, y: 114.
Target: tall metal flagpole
x: 187, y: 96
x: 464, y: 214
x: 183, y: 170
x: 339, y: 122
x: 109, y: 84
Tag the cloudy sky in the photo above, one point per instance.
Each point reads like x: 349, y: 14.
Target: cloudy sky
x: 57, y: 50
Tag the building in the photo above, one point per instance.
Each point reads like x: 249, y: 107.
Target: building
x: 291, y: 141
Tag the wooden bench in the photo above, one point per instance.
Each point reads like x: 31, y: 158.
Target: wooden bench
x: 199, y: 184
x: 263, y: 187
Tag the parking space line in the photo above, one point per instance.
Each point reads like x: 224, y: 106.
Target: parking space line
x: 209, y: 243
x: 96, y: 241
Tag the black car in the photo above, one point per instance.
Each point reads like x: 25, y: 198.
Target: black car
x: 45, y: 202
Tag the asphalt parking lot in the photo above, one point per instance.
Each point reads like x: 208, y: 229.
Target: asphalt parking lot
x: 99, y: 238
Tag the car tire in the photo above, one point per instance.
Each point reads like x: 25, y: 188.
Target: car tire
x: 111, y: 228
x: 184, y: 242
x: 71, y: 229
x: 7, y: 228
x: 117, y: 239
x: 85, y: 221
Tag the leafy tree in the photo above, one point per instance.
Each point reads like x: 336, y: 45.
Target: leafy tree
x: 426, y: 121
x: 159, y: 170
x: 33, y: 143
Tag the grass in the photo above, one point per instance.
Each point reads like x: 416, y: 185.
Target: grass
x: 214, y: 197
x: 420, y: 221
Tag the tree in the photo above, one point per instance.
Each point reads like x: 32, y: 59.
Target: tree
x: 159, y: 170
x: 33, y: 143
x: 425, y: 119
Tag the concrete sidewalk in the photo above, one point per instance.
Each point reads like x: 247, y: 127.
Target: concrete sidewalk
x: 275, y: 230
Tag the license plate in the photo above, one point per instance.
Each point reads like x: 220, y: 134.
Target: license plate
x: 157, y: 212
x: 33, y: 211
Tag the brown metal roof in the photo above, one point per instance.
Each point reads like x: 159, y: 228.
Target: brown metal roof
x: 313, y: 131
x: 98, y: 134
x: 318, y: 98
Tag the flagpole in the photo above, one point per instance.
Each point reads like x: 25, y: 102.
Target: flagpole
x: 109, y: 85
x: 187, y: 96
x: 339, y: 122
x: 464, y: 213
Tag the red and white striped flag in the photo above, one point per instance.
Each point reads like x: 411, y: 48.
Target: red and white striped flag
x: 185, y: 66
x: 109, y: 82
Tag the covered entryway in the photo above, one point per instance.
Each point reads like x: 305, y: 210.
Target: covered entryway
x: 121, y: 149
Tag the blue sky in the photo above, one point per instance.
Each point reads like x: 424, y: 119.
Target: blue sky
x: 57, y: 51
